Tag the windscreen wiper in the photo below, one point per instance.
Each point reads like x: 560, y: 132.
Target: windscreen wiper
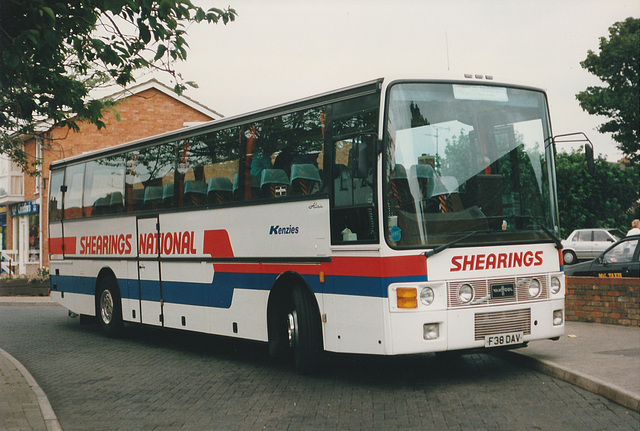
x: 443, y: 247
x: 553, y: 236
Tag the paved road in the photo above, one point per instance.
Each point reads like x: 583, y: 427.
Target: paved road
x: 165, y: 380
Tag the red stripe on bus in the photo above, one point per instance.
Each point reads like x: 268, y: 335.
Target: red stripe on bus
x: 217, y: 243
x: 62, y: 245
x: 399, y: 266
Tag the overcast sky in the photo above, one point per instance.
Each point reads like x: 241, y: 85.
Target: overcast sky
x: 278, y: 51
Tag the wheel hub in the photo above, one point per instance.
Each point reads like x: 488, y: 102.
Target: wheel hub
x: 106, y: 306
x: 292, y: 328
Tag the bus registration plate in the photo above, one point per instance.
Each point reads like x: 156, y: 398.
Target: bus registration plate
x: 505, y: 339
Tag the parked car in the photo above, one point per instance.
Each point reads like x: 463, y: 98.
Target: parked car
x: 587, y: 244
x: 622, y: 259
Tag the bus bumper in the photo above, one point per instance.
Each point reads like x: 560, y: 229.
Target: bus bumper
x: 480, y: 327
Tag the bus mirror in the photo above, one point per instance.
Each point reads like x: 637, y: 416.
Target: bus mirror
x: 578, y: 137
x: 358, y: 160
x: 588, y: 152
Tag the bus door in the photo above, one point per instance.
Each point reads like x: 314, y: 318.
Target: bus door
x: 149, y: 276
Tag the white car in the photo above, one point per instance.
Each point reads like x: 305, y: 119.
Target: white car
x: 587, y: 244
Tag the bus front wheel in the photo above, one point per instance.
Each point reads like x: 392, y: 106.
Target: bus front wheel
x: 109, y: 307
x: 296, y: 331
x: 304, y: 333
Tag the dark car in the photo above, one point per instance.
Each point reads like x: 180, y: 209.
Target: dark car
x: 619, y: 260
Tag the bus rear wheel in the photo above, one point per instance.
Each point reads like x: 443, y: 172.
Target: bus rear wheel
x: 109, y: 307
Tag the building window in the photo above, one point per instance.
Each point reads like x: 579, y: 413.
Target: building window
x: 34, y: 238
x: 11, y: 178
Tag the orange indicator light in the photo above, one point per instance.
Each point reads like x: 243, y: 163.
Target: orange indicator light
x: 407, y: 297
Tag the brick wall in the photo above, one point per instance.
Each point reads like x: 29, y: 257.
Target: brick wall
x: 614, y: 301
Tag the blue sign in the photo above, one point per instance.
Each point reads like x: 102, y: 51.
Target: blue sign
x: 396, y: 233
x: 25, y: 208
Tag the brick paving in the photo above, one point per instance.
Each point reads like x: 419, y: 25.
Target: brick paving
x: 167, y: 380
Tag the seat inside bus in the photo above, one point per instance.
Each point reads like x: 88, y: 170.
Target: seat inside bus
x: 305, y: 179
x: 152, y: 197
x: 274, y: 183
x: 219, y: 190
x: 168, y: 195
x: 195, y: 193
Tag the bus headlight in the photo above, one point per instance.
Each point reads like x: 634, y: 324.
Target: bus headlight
x: 465, y: 293
x: 555, y: 285
x: 534, y: 288
x: 427, y: 296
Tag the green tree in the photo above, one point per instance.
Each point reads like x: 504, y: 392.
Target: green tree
x: 599, y: 200
x: 618, y: 67
x: 54, y: 52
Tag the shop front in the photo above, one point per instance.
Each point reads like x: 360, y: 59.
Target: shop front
x: 26, y: 236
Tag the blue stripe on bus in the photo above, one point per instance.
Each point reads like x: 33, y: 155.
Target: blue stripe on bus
x: 219, y: 294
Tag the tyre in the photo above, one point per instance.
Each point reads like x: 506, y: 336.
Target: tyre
x: 109, y: 307
x: 569, y: 257
x: 304, y: 332
x: 295, y: 331
x: 277, y: 324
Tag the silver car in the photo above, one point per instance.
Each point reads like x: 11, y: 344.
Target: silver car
x: 587, y: 244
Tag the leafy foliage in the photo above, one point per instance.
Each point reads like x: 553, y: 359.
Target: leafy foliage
x: 599, y: 200
x: 53, y: 52
x: 618, y: 66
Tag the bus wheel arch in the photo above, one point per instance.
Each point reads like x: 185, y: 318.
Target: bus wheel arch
x: 108, y: 302
x: 293, y: 322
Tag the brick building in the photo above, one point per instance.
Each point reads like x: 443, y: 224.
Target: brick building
x: 145, y: 110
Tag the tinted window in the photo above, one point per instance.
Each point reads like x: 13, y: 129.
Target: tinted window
x: 104, y: 186
x: 74, y: 179
x: 149, y: 182
x: 55, y: 195
x: 353, y: 215
x: 208, y: 166
x: 284, y: 156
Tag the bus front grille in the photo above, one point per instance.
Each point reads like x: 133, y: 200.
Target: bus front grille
x: 482, y: 291
x: 500, y: 322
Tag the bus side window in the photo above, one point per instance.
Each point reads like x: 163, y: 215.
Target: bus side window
x: 208, y: 168
x: 353, y: 212
x: 103, y: 186
x: 55, y: 195
x: 284, y: 154
x: 74, y: 179
x: 150, y: 177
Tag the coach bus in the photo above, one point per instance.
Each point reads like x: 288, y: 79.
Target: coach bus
x: 397, y: 216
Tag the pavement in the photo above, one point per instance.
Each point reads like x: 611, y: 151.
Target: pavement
x: 603, y: 359
x: 23, y: 404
